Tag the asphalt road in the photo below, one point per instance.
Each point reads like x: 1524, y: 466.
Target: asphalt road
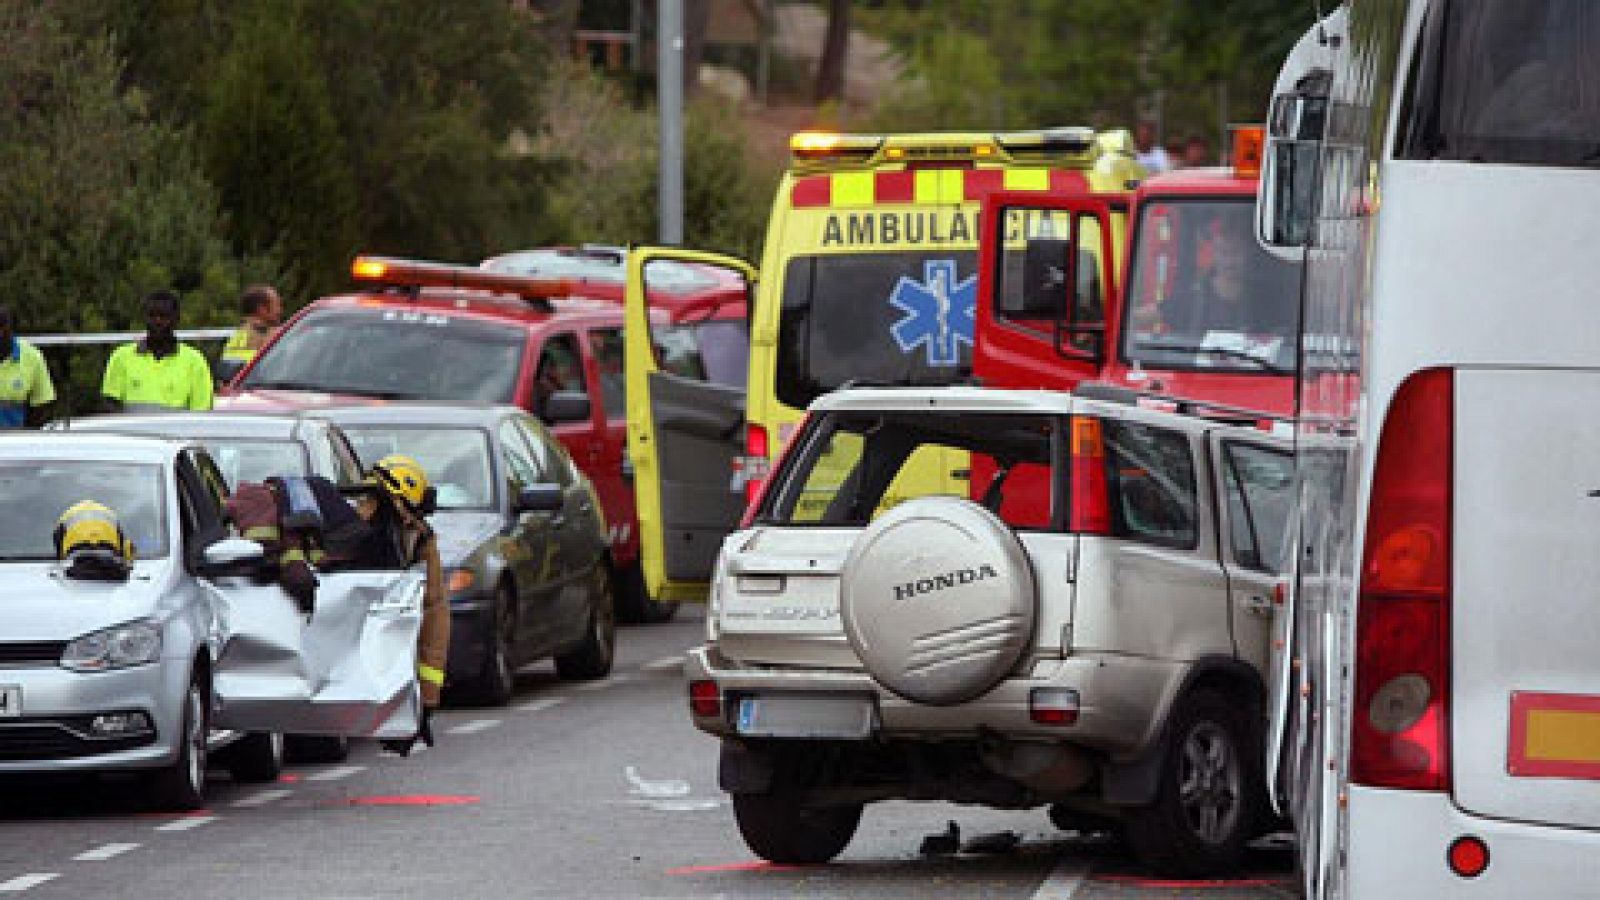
x: 574, y: 791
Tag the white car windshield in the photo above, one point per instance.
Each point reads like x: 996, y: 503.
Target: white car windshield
x: 38, y: 492
x: 456, y: 460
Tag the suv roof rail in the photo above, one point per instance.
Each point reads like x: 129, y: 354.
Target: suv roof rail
x: 1188, y: 406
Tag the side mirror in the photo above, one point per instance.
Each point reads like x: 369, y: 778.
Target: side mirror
x: 1290, y: 170
x: 565, y: 406
x: 232, y: 557
x: 541, y: 498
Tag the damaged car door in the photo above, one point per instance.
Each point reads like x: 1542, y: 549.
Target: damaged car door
x: 348, y: 668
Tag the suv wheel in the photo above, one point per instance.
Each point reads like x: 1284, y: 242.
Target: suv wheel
x: 777, y: 828
x: 1209, y: 791
x: 591, y: 658
x: 181, y: 786
x: 256, y: 758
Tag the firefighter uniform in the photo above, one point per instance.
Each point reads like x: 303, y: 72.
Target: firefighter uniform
x: 142, y: 381
x: 24, y: 382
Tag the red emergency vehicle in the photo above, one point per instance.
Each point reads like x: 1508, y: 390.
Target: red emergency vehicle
x: 516, y: 330
x: 1195, y: 309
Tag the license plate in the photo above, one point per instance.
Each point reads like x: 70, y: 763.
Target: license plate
x: 841, y: 716
x: 10, y: 701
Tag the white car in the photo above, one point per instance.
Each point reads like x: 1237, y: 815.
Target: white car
x: 1089, y: 632
x: 153, y: 672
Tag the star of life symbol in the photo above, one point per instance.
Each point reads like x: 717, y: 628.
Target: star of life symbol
x: 939, y: 312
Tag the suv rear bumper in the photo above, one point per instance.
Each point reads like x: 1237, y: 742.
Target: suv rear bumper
x: 1122, y: 699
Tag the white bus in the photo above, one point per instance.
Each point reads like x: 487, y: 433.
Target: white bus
x: 1439, y: 726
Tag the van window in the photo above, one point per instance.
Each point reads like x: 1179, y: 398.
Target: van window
x: 878, y: 318
x: 606, y: 345
x: 1152, y: 485
x: 1259, y: 484
x: 1021, y: 285
x: 717, y: 352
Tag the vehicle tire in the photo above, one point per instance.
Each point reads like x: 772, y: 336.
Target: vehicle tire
x: 634, y: 604
x: 777, y: 828
x: 257, y: 758
x: 1208, y: 793
x: 315, y: 748
x: 496, y: 680
x: 591, y: 658
x: 181, y: 786
x: 938, y: 600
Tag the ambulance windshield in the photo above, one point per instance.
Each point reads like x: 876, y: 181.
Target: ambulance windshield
x: 875, y: 318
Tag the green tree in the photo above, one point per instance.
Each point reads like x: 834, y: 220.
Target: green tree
x: 100, y: 203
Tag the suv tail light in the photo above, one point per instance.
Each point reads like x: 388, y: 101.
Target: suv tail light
x: 1090, y: 504
x: 1400, y: 730
x: 705, y: 699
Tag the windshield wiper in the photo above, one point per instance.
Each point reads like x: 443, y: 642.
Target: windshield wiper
x: 1229, y: 352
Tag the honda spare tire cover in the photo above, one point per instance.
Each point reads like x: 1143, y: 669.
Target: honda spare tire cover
x: 938, y: 600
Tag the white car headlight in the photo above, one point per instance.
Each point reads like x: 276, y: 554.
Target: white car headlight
x: 133, y: 644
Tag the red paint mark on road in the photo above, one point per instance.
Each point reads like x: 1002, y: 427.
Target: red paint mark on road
x: 756, y: 866
x: 288, y: 779
x: 413, y: 800
x: 1220, y: 883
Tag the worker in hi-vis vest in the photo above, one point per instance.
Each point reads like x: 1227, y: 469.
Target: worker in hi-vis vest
x: 262, y: 309
x: 26, y: 390
x: 158, y: 373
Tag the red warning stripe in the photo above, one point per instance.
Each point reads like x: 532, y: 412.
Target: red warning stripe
x: 414, y: 800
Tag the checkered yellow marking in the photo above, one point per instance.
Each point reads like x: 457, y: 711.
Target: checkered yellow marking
x: 1027, y: 179
x: 854, y: 189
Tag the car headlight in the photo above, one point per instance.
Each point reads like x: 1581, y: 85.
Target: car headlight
x: 133, y: 644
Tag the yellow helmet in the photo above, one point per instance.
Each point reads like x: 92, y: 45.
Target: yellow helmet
x: 88, y: 527
x: 402, y: 476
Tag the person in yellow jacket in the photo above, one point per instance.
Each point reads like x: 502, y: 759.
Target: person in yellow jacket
x: 26, y: 391
x: 159, y: 372
x: 405, y: 498
x: 262, y: 309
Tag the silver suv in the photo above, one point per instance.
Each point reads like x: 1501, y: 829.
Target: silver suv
x: 1006, y: 598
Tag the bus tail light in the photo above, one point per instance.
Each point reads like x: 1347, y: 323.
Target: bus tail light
x: 1400, y: 735
x: 1090, y: 503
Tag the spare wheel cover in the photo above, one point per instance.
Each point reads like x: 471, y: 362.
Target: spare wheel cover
x: 938, y: 600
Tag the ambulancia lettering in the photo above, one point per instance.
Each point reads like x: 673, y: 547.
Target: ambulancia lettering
x: 940, y: 582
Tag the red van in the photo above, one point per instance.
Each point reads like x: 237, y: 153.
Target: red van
x: 519, y: 329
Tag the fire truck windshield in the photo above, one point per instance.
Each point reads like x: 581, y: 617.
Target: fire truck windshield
x: 1202, y: 294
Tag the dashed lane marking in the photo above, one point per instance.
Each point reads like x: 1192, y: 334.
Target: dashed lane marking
x: 104, y: 852
x: 263, y: 798
x: 335, y: 774
x: 1064, y: 881
x: 614, y: 680
x: 473, y: 727
x: 23, y: 882
x: 663, y: 665
x: 187, y: 823
x: 541, y: 704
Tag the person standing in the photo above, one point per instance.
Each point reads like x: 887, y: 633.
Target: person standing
x: 1150, y: 153
x: 159, y: 372
x: 262, y: 309
x: 26, y: 391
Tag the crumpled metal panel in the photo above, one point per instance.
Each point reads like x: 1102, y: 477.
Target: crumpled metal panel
x: 348, y: 670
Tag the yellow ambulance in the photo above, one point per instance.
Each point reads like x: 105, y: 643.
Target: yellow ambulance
x: 869, y: 277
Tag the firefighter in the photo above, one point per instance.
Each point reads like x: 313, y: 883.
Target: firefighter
x: 89, y: 540
x: 403, y: 498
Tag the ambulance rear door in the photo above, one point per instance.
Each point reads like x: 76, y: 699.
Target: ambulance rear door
x: 685, y: 432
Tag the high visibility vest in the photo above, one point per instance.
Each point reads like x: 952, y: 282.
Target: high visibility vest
x: 24, y: 382
x: 141, y: 380
x: 243, y: 344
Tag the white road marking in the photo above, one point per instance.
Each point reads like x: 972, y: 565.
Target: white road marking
x: 541, y: 704
x: 624, y: 678
x: 104, y: 852
x: 1064, y: 881
x: 23, y: 882
x: 263, y: 798
x: 473, y: 727
x: 187, y: 823
x: 664, y: 665
x: 335, y: 774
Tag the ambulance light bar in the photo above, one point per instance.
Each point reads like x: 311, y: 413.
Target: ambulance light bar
x: 407, y: 273
x: 1063, y: 141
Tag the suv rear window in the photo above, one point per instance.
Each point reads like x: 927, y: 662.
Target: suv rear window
x: 376, y: 353
x: 854, y: 466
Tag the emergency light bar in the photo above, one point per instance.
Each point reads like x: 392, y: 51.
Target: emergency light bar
x: 406, y: 273
x: 817, y: 149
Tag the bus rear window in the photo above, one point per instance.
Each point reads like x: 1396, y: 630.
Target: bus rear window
x: 879, y: 318
x: 1500, y: 82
